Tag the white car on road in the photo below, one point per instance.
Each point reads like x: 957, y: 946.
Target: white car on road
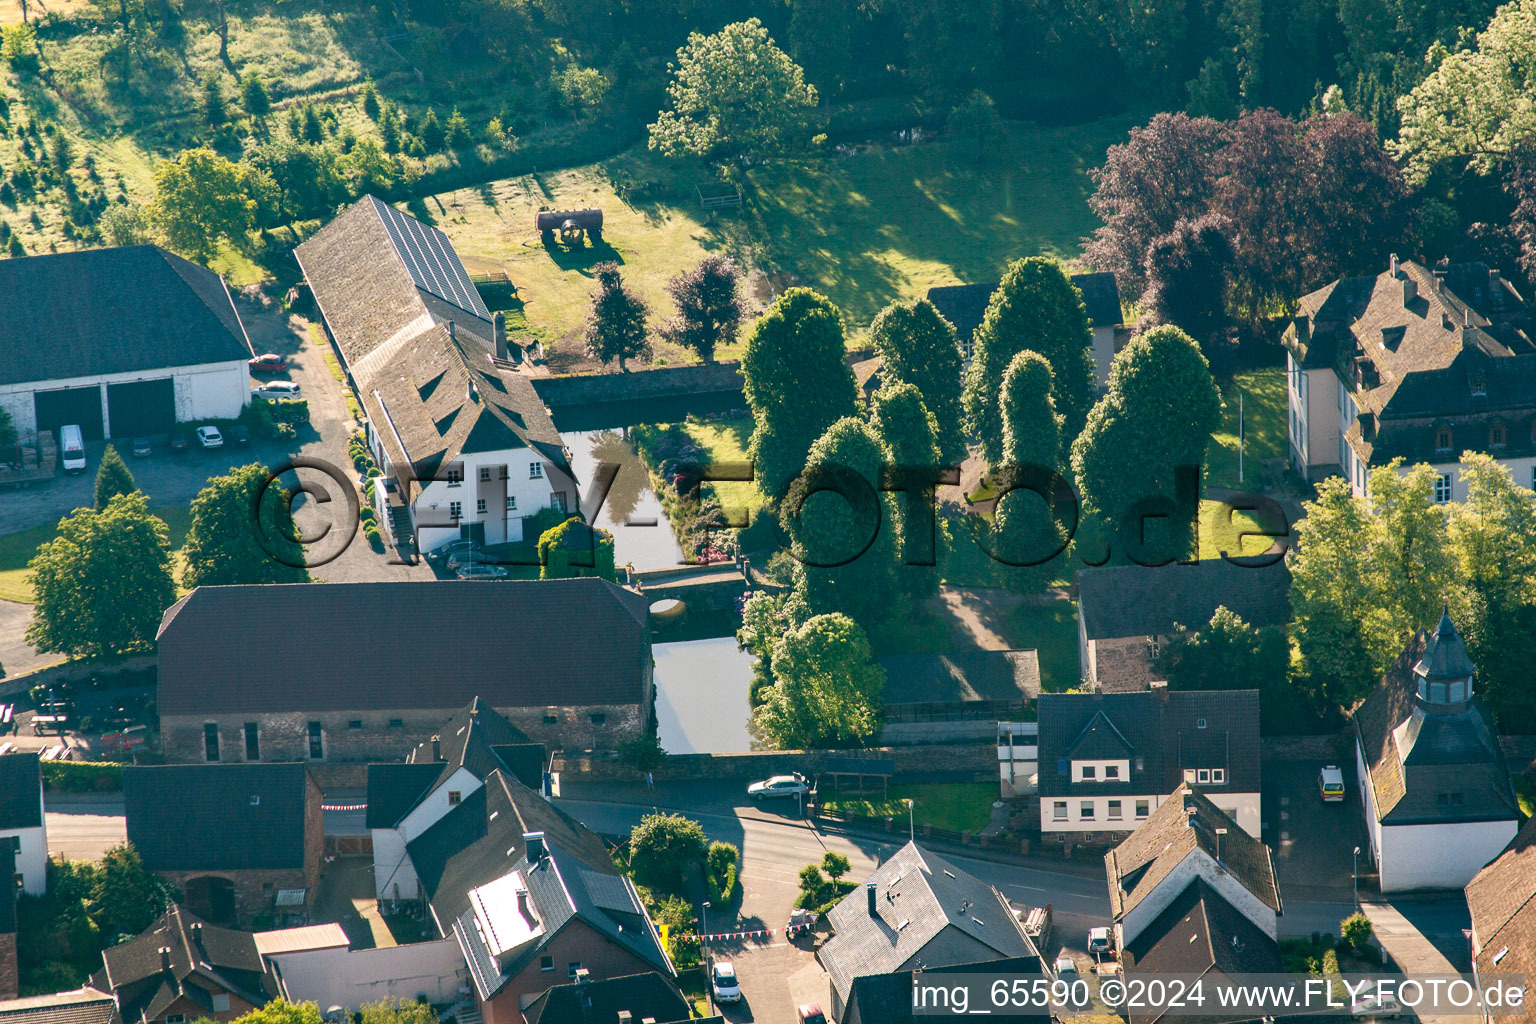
x: 779, y: 785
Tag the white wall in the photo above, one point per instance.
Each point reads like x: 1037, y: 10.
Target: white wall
x: 1439, y: 856
x: 205, y: 392
x: 1322, y: 417
x: 1101, y: 770
x: 1520, y: 470
x: 1195, y: 865
x: 350, y: 978
x: 1103, y: 352
x: 433, y: 507
x: 32, y: 861
x: 394, y: 876
x: 1243, y: 808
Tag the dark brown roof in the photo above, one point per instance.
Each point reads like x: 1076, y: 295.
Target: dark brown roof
x: 77, y: 1006
x: 1502, y: 899
x: 1136, y: 600
x: 78, y: 314
x: 1161, y: 732
x: 21, y: 791
x: 965, y: 305
x: 259, y: 808
x: 199, y: 953
x: 369, y: 646
x: 1181, y: 825
x: 649, y: 996
x: 1430, y: 765
x: 1200, y: 934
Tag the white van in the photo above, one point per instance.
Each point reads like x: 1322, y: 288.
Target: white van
x: 72, y: 448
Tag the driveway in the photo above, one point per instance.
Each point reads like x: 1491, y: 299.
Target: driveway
x: 1313, y: 842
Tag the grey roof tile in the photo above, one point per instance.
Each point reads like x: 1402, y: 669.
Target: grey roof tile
x: 244, y: 816
x: 646, y: 996
x: 21, y: 791
x: 77, y: 1006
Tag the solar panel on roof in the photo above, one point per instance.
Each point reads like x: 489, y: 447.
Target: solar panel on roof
x: 431, y: 261
x: 608, y: 892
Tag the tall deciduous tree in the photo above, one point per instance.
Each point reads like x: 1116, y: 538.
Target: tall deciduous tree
x: 908, y: 431
x: 1035, y: 307
x: 846, y: 533
x: 709, y: 306
x: 1210, y: 655
x: 1188, y: 271
x: 976, y: 118
x: 102, y: 584
x: 127, y: 897
x: 202, y: 199
x: 918, y: 346
x: 615, y: 328
x: 734, y: 93
x: 1025, y: 529
x: 827, y: 688
x: 796, y: 382
x: 112, y: 478
x: 242, y: 531
x: 1156, y: 417
x: 663, y: 847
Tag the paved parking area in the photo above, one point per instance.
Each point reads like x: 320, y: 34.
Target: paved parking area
x: 1313, y: 842
x: 775, y: 978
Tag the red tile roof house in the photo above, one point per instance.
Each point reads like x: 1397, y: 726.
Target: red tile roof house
x: 360, y: 672
x: 238, y: 840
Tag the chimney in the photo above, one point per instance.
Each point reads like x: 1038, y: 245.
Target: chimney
x: 533, y: 843
x: 1466, y: 317
x: 1159, y: 687
x: 1392, y: 266
x: 499, y: 328
x: 869, y: 892
x: 197, y: 934
x: 437, y: 748
x: 583, y: 975
x: 453, y: 334
x: 165, y: 958
x: 522, y: 903
x: 1410, y: 291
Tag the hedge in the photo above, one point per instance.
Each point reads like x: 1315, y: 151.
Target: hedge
x: 82, y: 776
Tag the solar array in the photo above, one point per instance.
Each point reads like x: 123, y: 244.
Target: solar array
x: 431, y: 260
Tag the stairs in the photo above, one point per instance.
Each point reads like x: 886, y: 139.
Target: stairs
x: 465, y: 1012
x: 400, y: 528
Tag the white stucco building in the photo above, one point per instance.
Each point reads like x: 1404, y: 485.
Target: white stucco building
x: 466, y: 447
x: 22, y: 823
x: 1108, y: 761
x: 1433, y: 782
x: 121, y: 342
x: 1416, y: 363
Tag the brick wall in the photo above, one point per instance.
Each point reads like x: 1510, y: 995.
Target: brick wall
x: 575, y: 943
x: 255, y: 890
x: 1123, y: 663
x: 978, y: 758
x: 9, y: 979
x: 314, y: 834
x: 285, y: 737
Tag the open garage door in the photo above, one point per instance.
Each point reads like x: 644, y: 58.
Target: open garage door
x: 141, y: 407
x: 70, y: 405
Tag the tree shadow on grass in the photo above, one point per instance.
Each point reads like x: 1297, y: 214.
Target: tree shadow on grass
x: 580, y: 258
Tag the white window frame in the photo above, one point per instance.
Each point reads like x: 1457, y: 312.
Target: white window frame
x: 1143, y: 809
x: 1090, y: 772
x: 1445, y: 488
x: 535, y: 471
x: 480, y: 506
x: 1218, y: 776
x: 1115, y: 811
x: 485, y: 473
x: 1189, y: 775
x: 456, y: 509
x: 1059, y: 811
x: 511, y: 503
x: 1085, y: 810
x: 1203, y: 776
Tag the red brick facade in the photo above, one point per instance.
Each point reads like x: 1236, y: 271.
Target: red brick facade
x: 576, y: 944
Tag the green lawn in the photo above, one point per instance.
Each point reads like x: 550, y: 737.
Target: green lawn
x: 17, y: 549
x: 1222, y: 528
x: 1051, y: 630
x: 956, y: 806
x: 1265, y: 416
x: 726, y: 442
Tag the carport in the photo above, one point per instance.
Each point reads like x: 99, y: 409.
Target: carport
x: 139, y: 407
x: 70, y: 405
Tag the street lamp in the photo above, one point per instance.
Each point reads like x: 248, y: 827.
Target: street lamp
x: 1354, y: 878
x: 709, y: 978
x: 911, y: 826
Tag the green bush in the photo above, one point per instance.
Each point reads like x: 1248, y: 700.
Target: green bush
x: 367, y: 514
x: 720, y: 871
x: 1355, y: 931
x: 82, y: 776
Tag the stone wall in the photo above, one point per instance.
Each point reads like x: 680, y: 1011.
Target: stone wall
x: 255, y: 890
x: 976, y: 759
x: 360, y: 737
x: 1123, y: 663
x: 74, y: 672
x: 9, y: 977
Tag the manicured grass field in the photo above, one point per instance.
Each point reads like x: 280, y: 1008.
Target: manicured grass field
x: 1222, y: 528
x: 1051, y: 630
x: 1264, y: 415
x: 957, y: 806
x: 17, y: 549
x: 726, y: 442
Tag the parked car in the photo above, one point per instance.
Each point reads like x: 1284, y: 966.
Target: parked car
x: 273, y: 389
x: 779, y: 785
x: 1330, y: 783
x: 179, y: 441
x: 72, y: 448
x: 141, y: 447
x: 209, y: 437
x: 441, y: 554
x: 810, y: 1013
x: 473, y: 555
x: 239, y: 435
x: 268, y: 362
x: 481, y: 571
x: 1372, y: 1006
x: 1100, y: 942
x: 723, y: 979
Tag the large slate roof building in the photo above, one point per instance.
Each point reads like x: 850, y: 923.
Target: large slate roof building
x: 1108, y: 760
x: 232, y: 837
x: 373, y: 669
x: 1436, y: 793
x: 120, y: 342
x: 1126, y: 612
x: 917, y: 911
x: 1415, y: 362
x: 465, y: 445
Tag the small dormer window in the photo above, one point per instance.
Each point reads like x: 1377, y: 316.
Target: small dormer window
x: 1443, y: 439
x: 1479, y: 385
x: 1199, y: 723
x: 1497, y: 435
x: 1090, y: 772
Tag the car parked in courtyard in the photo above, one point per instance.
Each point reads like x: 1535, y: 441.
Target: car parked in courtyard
x: 481, y: 571
x: 275, y: 389
x: 1330, y: 784
x: 723, y: 980
x: 209, y: 437
x: 141, y: 447
x: 179, y: 441
x: 268, y: 362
